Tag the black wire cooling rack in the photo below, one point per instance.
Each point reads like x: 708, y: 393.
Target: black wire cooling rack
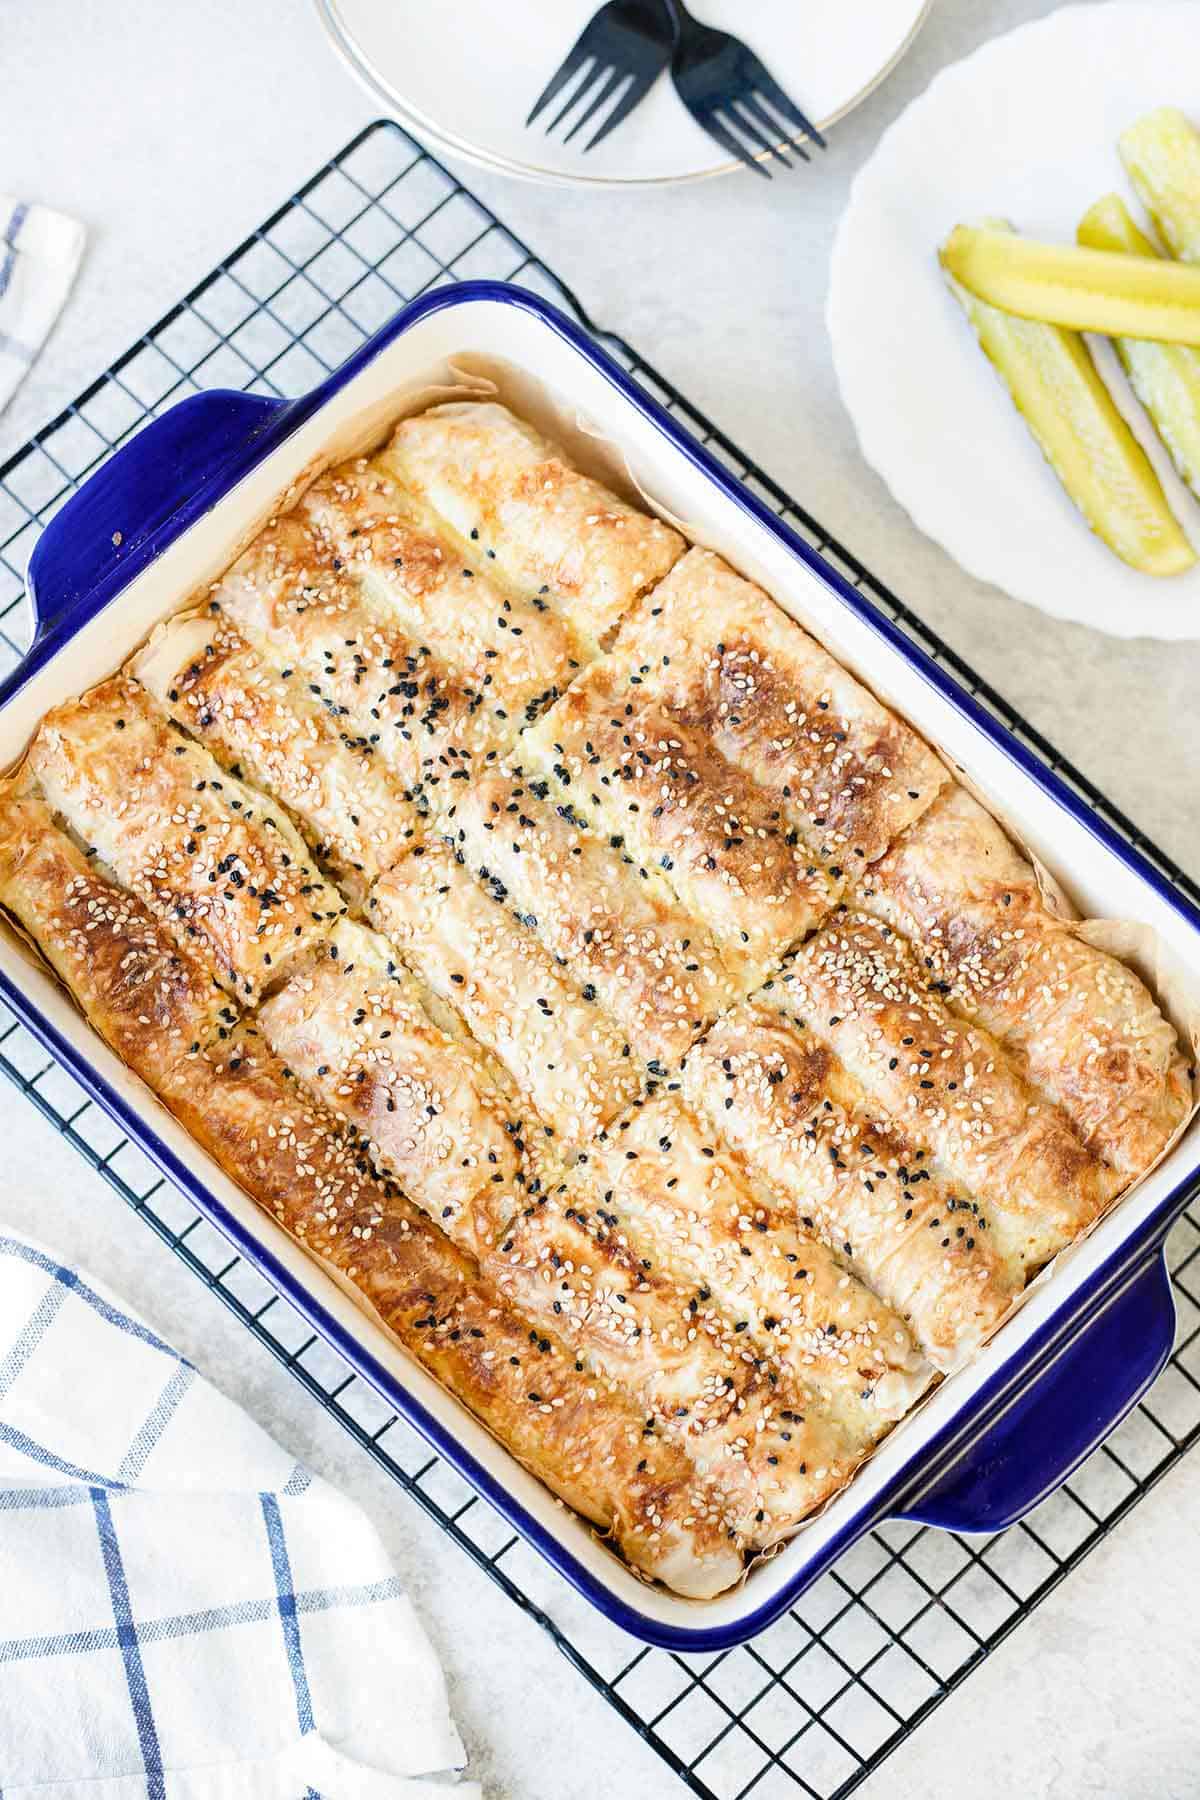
x: 818, y: 1700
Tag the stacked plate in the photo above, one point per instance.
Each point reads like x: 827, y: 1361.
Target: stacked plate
x: 464, y: 75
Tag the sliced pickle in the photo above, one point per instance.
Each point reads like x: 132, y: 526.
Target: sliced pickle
x: 1087, y: 290
x: 1053, y: 383
x: 1161, y: 153
x: 1165, y: 377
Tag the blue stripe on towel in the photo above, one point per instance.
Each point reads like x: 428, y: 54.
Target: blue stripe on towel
x: 12, y: 232
x: 32, y: 1333
x: 159, y: 1418
x: 195, y: 1624
x: 10, y: 1434
x: 135, y: 1674
x: 17, y: 218
x: 16, y: 1499
x: 286, y: 1602
x: 113, y: 1315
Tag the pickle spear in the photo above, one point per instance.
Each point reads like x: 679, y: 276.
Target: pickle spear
x: 1161, y: 153
x: 1087, y: 290
x: 1053, y: 383
x: 1165, y: 377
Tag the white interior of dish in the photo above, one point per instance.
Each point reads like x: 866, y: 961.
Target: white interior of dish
x: 567, y: 384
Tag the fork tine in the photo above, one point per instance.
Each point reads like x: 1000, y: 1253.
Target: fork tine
x: 716, y: 129
x: 573, y: 60
x: 755, y: 107
x: 772, y: 91
x: 615, y: 78
x: 590, y: 75
x: 738, y: 110
x: 634, y: 93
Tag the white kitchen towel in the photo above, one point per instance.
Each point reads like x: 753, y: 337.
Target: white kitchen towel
x: 185, y: 1612
x: 39, y: 254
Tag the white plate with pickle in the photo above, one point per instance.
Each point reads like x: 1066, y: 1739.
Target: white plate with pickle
x: 1026, y: 131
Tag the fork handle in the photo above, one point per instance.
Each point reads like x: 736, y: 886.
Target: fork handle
x: 680, y: 16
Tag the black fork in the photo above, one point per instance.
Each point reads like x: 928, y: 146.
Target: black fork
x: 627, y: 41
x: 728, y: 91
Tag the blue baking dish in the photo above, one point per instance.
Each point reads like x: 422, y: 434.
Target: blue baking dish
x: 167, y: 511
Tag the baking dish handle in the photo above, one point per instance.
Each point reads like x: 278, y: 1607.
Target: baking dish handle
x: 1047, y: 1428
x: 142, y: 498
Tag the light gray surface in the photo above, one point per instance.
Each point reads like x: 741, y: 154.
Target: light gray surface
x: 171, y: 131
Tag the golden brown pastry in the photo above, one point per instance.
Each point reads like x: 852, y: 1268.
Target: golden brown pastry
x: 415, y: 654
x: 666, y: 1175
x: 353, y: 812
x: 512, y: 652
x: 438, y: 1112
x: 291, y: 598
x: 572, y: 1262
x: 627, y: 1313
x: 659, y: 788
x: 580, y: 1435
x: 390, y: 544
x: 225, y: 870
x: 716, y: 650
x: 149, y: 998
x: 571, y: 1063
x: 551, y: 531
x: 1080, y: 1025
x: 612, y: 923
x: 853, y: 1175
x: 856, y: 987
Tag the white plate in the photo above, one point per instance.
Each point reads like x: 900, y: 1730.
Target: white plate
x: 1025, y: 128
x: 467, y: 72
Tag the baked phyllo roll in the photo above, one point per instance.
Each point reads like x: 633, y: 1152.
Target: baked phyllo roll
x: 522, y: 651
x: 428, y: 664
x: 436, y: 1108
x: 584, y: 1437
x: 716, y: 650
x: 575, y: 1265
x: 614, y: 924
x: 569, y: 1060
x: 664, y: 1172
x: 226, y: 870
x: 858, y: 988
x: 550, y: 530
x: 291, y: 598
x: 659, y: 789
x: 152, y: 1001
x: 1082, y: 1028
x: 625, y: 1311
x: 853, y: 1176
x: 355, y: 814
